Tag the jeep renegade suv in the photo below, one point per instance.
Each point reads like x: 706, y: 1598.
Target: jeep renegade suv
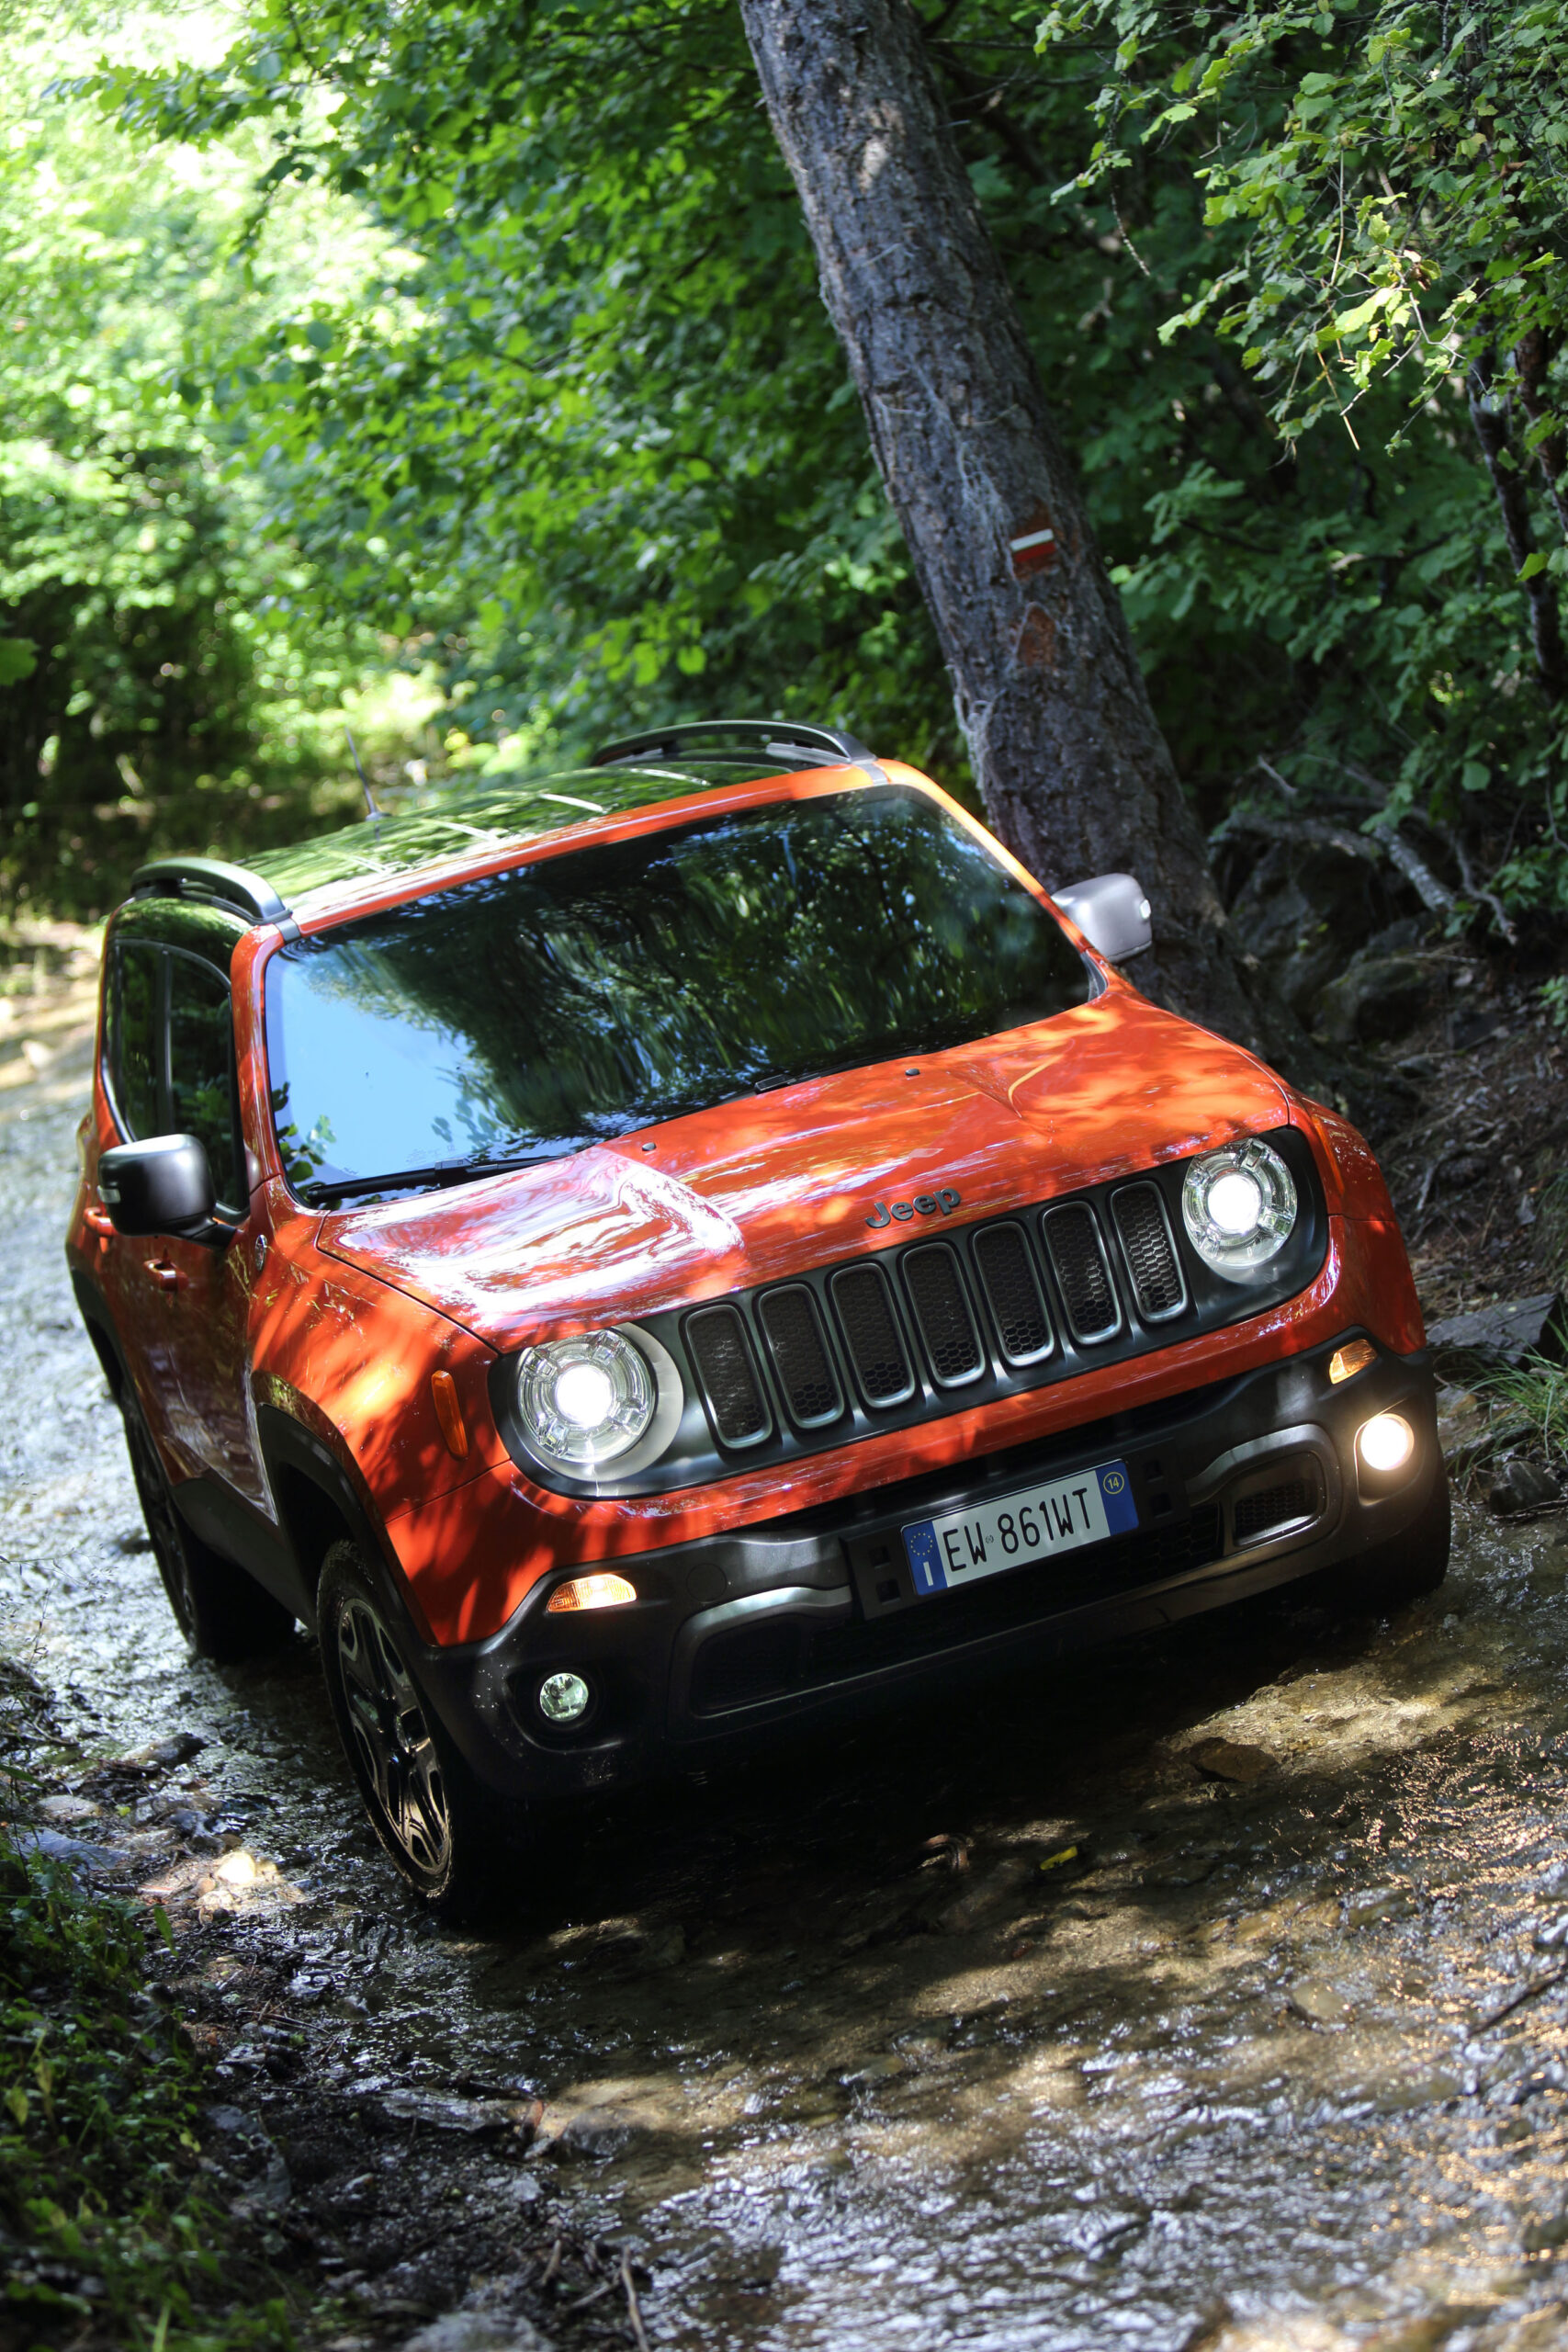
x: 638, y: 1257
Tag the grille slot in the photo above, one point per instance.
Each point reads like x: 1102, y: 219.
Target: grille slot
x: 717, y: 1338
x: 871, y: 1336
x: 800, y: 1356
x: 1013, y: 1294
x: 947, y: 1327
x: 1077, y: 1256
x: 1150, y: 1251
x: 1293, y: 1499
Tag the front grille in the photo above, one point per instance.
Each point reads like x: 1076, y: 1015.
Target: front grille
x: 876, y: 1351
x: 746, y: 1663
x: 1077, y: 1254
x: 717, y: 1338
x: 1013, y: 1294
x: 1281, y: 1505
x: 795, y: 1341
x: 1150, y: 1252
x: 936, y: 1291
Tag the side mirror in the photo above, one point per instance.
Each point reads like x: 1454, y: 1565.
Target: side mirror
x: 1113, y: 914
x: 162, y: 1186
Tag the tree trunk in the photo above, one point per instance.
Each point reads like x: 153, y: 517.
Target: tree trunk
x: 1075, y: 773
x: 1489, y: 415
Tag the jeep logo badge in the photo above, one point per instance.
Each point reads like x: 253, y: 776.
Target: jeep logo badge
x: 941, y: 1203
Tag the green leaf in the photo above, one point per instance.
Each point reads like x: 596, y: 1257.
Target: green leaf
x: 18, y: 660
x: 1533, y: 563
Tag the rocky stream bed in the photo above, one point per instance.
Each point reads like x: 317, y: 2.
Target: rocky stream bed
x: 1211, y: 1993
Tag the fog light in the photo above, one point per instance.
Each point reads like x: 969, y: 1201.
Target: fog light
x: 590, y: 1592
x: 1352, y: 1357
x: 563, y: 1697
x: 1386, y: 1442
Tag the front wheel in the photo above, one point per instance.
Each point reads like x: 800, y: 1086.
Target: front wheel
x: 1406, y: 1567
x: 425, y: 1805
x: 222, y: 1613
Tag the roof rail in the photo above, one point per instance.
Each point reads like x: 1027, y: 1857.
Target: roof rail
x: 212, y: 880
x: 815, y: 747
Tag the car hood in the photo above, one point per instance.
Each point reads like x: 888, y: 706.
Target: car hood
x: 753, y: 1190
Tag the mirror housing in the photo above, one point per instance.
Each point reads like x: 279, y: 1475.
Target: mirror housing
x: 1113, y: 913
x: 163, y: 1185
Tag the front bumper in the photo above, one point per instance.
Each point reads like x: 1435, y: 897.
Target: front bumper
x: 1242, y: 1485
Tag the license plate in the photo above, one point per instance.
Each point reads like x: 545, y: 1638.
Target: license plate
x: 1036, y: 1523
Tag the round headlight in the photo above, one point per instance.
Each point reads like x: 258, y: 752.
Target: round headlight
x: 586, y: 1401
x: 1239, y: 1207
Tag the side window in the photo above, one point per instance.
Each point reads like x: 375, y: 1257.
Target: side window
x: 201, y: 1071
x: 135, y: 1045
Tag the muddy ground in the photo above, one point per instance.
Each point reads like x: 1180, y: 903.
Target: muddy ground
x: 1211, y: 1994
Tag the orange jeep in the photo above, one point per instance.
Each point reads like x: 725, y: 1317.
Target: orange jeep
x: 639, y: 1256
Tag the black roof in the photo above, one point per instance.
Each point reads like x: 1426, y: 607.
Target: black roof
x: 452, y: 820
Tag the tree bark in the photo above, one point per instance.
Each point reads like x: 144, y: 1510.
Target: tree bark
x: 1073, y: 771
x: 1489, y: 415
x: 1532, y: 356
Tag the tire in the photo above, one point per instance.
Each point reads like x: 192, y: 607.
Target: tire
x: 222, y: 1613
x: 447, y: 1837
x: 1405, y: 1569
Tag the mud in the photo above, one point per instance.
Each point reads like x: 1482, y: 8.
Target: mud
x: 1211, y: 1993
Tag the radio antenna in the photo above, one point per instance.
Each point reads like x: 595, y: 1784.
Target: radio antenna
x: 375, y: 813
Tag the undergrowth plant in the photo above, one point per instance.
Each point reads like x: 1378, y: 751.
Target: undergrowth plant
x: 1535, y: 1392
x: 106, y: 2231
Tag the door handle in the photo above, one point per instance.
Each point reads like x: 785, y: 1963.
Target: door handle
x: 168, y: 1277
x: 99, y: 1221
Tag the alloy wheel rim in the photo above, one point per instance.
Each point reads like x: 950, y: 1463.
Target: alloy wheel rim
x: 392, y: 1739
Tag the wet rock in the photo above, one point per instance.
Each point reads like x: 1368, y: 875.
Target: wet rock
x: 1550, y: 1574
x: 58, y: 1810
x: 438, y: 2112
x: 1230, y: 1759
x: 1521, y: 1485
x: 1542, y: 2237
x: 988, y: 1898
x: 883, y: 2069
x: 54, y: 1846
x: 1551, y: 1934
x: 620, y: 1944
x: 1375, y: 1903
x: 1380, y: 996
x: 269, y: 2195
x: 1319, y: 2000
x: 598, y: 2135
x: 478, y: 2332
x: 1433, y: 2089
x: 162, y: 1755
x: 1498, y: 1336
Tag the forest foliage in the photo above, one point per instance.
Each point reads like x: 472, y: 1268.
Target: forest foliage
x: 574, y: 439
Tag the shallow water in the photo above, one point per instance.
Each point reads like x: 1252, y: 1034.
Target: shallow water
x: 822, y: 2040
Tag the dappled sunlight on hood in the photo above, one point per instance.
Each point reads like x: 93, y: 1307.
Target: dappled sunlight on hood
x: 761, y: 1189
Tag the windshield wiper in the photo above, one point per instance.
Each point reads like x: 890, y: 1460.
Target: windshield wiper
x: 443, y: 1171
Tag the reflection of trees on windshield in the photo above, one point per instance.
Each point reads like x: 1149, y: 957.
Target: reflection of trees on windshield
x: 629, y: 981
x: 303, y: 1157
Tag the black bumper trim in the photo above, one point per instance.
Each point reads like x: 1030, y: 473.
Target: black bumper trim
x: 1243, y: 1485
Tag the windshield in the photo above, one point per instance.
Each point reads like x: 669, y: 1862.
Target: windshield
x: 532, y: 1013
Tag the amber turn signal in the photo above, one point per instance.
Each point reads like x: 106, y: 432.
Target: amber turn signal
x: 590, y: 1592
x: 449, y: 1412
x: 1352, y: 1357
